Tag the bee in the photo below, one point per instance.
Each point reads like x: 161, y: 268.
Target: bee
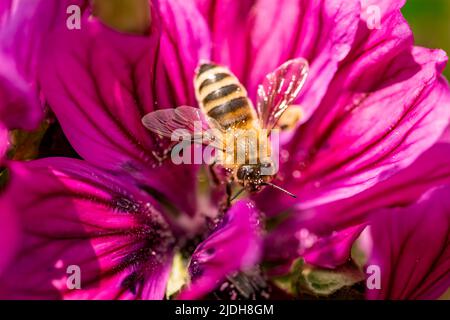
x: 241, y: 131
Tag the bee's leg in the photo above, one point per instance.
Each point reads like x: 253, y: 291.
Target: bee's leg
x: 229, y: 191
x: 225, y: 204
x: 213, y: 174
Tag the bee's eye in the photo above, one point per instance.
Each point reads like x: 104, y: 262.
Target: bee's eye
x: 246, y: 172
x: 242, y: 173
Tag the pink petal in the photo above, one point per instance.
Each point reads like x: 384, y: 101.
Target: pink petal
x: 431, y: 169
x: 411, y: 247
x: 294, y: 239
x: 23, y: 27
x: 9, y: 238
x: 334, y: 250
x: 386, y: 6
x: 183, y: 43
x: 19, y: 106
x: 4, y: 143
x: 391, y: 31
x: 361, y: 135
x: 229, y: 34
x: 235, y: 245
x: 101, y: 111
x: 255, y: 37
x: 71, y: 214
x: 330, y: 224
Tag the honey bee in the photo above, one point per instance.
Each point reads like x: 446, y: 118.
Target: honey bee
x: 238, y: 126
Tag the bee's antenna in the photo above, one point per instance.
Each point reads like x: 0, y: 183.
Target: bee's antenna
x: 237, y: 194
x: 279, y: 188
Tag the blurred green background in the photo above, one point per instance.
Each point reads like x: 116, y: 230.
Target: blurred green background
x: 430, y: 21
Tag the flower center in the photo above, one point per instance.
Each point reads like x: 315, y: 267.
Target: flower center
x: 152, y: 240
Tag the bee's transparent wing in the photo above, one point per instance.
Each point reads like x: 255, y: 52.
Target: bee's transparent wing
x: 279, y: 89
x: 182, y: 123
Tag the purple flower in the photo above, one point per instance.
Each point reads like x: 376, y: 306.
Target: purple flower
x: 234, y: 245
x: 373, y: 108
x: 120, y: 78
x: 335, y: 226
x: 99, y: 217
x: 346, y: 146
x: 87, y: 218
x: 411, y: 247
x: 20, y: 42
x: 114, y: 231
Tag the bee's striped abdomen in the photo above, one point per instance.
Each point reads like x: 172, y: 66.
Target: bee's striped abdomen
x: 222, y: 97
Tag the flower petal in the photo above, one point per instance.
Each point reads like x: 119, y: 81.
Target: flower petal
x: 411, y: 247
x: 23, y: 28
x: 229, y: 34
x: 348, y: 146
x: 334, y: 250
x: 293, y: 239
x: 4, y: 143
x: 184, y: 42
x: 264, y: 34
x: 385, y: 6
x: 430, y: 170
x: 320, y: 232
x: 101, y: 111
x: 234, y: 246
x: 72, y: 215
x: 19, y: 107
x: 9, y: 238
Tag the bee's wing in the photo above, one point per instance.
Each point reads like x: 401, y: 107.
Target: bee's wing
x: 279, y: 89
x: 182, y: 123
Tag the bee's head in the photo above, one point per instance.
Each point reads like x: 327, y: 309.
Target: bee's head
x: 251, y: 178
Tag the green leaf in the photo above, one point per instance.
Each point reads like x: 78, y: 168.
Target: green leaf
x: 284, y: 283
x: 324, y: 282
